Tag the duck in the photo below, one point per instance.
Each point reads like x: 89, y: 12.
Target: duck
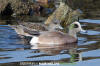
x: 30, y: 29
x: 57, y: 37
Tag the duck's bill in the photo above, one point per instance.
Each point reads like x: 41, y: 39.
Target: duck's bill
x: 59, y: 27
x: 84, y: 31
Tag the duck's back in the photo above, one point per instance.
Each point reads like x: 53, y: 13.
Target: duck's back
x: 35, y: 26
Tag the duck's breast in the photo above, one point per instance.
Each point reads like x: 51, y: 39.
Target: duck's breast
x: 55, y: 38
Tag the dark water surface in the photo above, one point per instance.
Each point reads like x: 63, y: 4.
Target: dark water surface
x: 14, y: 52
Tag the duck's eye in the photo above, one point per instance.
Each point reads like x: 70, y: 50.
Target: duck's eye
x: 76, y: 26
x: 55, y: 22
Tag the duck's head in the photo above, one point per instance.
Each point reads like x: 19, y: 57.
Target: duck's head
x: 74, y: 28
x: 55, y: 25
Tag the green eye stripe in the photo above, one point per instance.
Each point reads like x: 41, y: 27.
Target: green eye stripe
x: 71, y: 26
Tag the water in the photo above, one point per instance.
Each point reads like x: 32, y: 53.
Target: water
x: 14, y: 52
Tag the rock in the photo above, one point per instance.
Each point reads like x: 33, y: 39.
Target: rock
x: 22, y: 7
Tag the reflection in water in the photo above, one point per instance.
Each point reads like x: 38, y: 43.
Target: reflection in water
x: 13, y: 51
x: 70, y: 49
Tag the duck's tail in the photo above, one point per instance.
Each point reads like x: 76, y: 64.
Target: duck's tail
x: 34, y: 40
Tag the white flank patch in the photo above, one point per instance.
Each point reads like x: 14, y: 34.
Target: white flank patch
x: 34, y: 40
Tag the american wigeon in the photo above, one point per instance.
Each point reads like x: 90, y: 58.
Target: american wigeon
x: 56, y: 37
x: 20, y: 30
x: 29, y: 29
